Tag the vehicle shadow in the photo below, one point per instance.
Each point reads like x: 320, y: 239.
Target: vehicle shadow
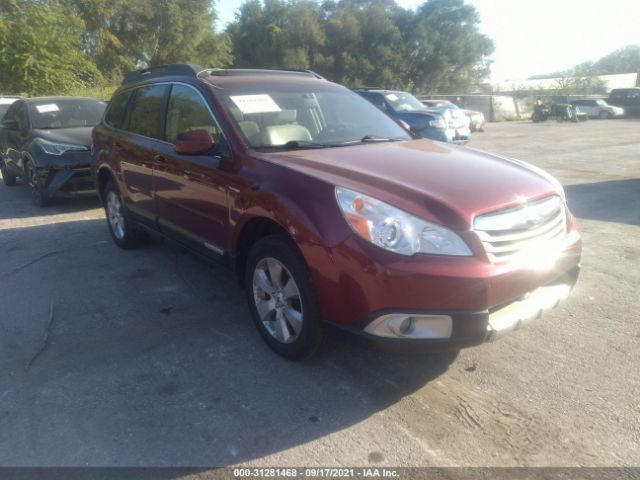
x: 17, y: 200
x: 150, y: 359
x: 607, y: 201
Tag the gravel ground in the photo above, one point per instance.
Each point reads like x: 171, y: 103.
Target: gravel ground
x: 149, y: 358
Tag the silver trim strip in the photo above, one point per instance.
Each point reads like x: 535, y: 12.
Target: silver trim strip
x: 213, y: 248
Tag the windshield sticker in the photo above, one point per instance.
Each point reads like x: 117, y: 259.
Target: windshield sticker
x: 255, y: 103
x: 49, y: 107
x: 392, y: 96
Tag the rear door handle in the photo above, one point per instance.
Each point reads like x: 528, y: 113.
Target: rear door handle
x: 159, y: 159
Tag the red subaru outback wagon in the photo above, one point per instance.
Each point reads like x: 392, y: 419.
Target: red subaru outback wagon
x: 330, y: 212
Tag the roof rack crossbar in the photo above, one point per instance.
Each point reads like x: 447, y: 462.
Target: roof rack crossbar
x: 181, y: 69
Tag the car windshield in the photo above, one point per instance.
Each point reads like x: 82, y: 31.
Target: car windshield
x: 56, y: 113
x: 403, y: 102
x: 306, y: 115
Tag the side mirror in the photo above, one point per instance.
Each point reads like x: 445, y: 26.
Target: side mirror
x: 10, y: 124
x: 193, y: 142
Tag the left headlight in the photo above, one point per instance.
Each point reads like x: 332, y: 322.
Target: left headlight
x: 53, y: 148
x: 395, y: 230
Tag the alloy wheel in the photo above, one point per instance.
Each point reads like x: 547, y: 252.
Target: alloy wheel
x: 277, y: 299
x: 36, y: 188
x: 114, y: 215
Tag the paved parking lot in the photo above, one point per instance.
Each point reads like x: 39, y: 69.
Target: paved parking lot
x: 149, y: 357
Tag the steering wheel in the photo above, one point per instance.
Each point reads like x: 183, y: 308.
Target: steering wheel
x: 333, y: 130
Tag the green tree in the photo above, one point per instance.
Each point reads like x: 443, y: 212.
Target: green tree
x: 625, y: 60
x: 122, y: 35
x: 366, y: 42
x: 41, y: 50
x: 447, y: 52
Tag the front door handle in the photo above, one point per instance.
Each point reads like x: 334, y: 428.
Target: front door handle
x: 191, y: 175
x: 159, y: 159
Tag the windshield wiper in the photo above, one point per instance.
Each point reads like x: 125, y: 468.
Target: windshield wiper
x: 371, y: 139
x: 294, y: 145
x: 375, y: 138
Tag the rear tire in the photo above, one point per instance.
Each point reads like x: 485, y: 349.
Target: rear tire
x: 8, y: 178
x: 122, y: 230
x: 282, y: 298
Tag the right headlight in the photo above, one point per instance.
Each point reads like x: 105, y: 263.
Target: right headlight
x: 437, y: 123
x: 55, y: 148
x: 392, y: 229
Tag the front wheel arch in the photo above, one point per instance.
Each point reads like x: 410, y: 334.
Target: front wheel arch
x: 251, y: 232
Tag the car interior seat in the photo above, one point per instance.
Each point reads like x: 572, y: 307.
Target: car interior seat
x: 250, y: 129
x: 285, y: 129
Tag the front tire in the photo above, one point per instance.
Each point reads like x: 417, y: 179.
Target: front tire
x: 124, y: 234
x: 282, y: 298
x: 605, y: 115
x: 39, y: 195
x: 8, y: 178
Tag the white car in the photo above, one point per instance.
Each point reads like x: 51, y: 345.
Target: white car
x: 598, y: 108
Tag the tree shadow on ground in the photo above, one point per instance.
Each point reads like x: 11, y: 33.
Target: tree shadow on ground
x: 608, y: 201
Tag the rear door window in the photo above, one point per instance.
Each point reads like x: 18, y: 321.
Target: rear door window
x: 146, y: 112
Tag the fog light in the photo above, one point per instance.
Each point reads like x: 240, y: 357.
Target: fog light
x: 402, y: 325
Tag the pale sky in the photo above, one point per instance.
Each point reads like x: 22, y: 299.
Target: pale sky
x: 539, y: 36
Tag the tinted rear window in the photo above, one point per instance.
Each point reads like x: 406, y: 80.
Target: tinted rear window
x: 146, y: 111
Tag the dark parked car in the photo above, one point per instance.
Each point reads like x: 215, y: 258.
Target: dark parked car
x: 5, y: 102
x: 46, y: 141
x: 476, y: 119
x: 402, y: 106
x: 330, y: 213
x: 626, y: 98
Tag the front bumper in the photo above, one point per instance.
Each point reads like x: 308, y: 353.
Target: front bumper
x: 432, y: 133
x: 458, y: 135
x: 477, y: 125
x: 357, y: 283
x: 469, y: 328
x: 67, y: 176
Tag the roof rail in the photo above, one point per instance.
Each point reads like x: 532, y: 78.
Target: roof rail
x: 368, y: 88
x: 259, y: 71
x: 177, y: 69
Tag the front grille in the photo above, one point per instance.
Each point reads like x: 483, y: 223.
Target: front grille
x: 516, y: 233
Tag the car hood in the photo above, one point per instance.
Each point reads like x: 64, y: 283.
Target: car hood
x: 442, y: 182
x: 75, y: 136
x: 419, y: 113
